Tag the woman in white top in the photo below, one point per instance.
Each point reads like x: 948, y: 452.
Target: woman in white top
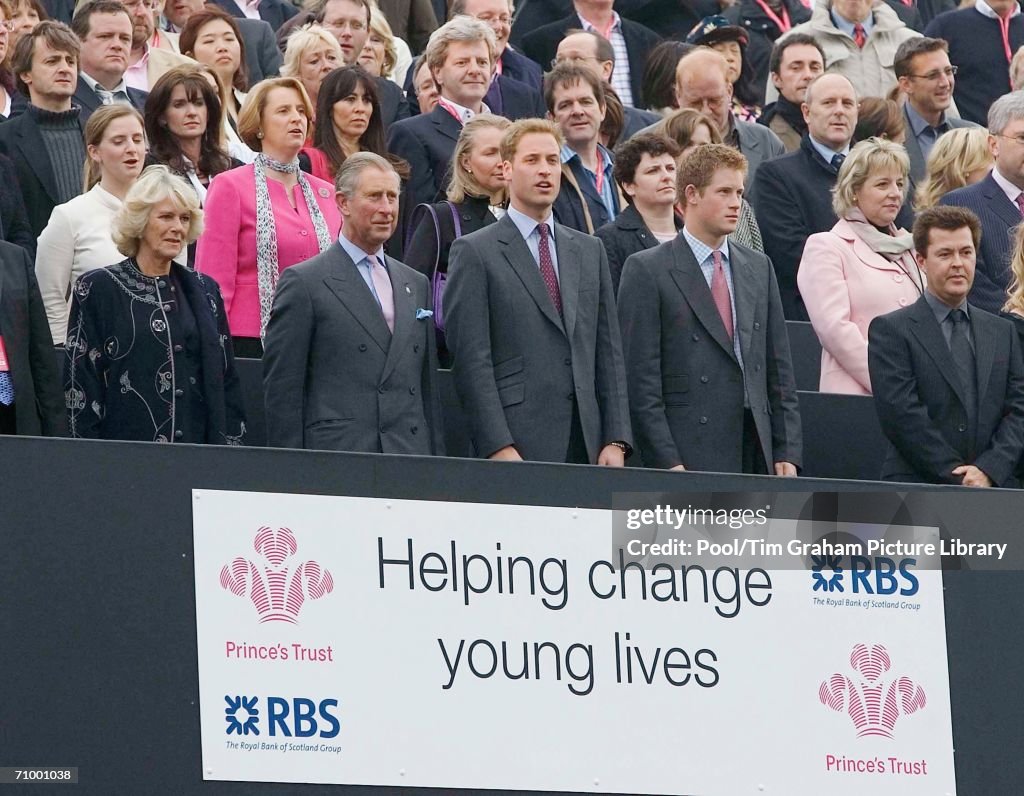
x: 78, y: 239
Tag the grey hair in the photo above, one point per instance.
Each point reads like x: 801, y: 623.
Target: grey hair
x: 460, y: 28
x: 156, y: 184
x: 347, y: 178
x: 1008, y: 108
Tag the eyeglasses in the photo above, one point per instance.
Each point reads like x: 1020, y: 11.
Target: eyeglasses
x: 1018, y: 138
x: 935, y: 74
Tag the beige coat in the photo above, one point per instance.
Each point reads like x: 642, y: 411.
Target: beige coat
x: 869, y: 69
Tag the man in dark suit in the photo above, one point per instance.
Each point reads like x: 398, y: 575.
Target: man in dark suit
x: 702, y: 84
x: 498, y: 14
x: 595, y: 52
x: 105, y: 30
x: 262, y: 58
x: 792, y: 195
x: 947, y: 376
x: 350, y: 360
x: 589, y: 196
x: 631, y: 41
x: 274, y: 12
x: 926, y: 80
x: 31, y: 396
x: 412, y: 21
x: 46, y: 142
x: 530, y: 318
x: 460, y: 56
x: 711, y: 383
x: 671, y: 19
x: 998, y: 201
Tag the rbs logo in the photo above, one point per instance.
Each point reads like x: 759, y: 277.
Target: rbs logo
x: 878, y: 575
x: 295, y: 718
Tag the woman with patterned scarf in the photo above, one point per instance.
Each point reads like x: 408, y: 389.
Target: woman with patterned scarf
x: 263, y: 217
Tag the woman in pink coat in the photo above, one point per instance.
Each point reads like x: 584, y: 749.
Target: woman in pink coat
x: 268, y: 215
x: 861, y: 268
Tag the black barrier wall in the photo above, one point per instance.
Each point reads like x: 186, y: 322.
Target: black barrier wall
x: 98, y: 661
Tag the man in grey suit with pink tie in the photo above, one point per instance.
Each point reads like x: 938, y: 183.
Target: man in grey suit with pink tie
x: 350, y: 360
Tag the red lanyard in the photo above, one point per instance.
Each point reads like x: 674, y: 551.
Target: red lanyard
x: 599, y: 177
x: 1004, y: 28
x: 450, y: 109
x: 784, y: 23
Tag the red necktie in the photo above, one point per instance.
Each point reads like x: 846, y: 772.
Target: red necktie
x: 720, y: 293
x: 859, y: 36
x: 547, y: 268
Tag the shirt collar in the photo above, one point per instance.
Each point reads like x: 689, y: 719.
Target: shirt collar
x: 616, y: 23
x: 986, y: 10
x: 847, y: 27
x: 465, y: 114
x: 1011, y: 190
x: 602, y: 152
x: 701, y: 251
x: 527, y: 225
x: 940, y: 309
x: 918, y: 125
x: 96, y: 87
x: 357, y: 254
x: 827, y: 152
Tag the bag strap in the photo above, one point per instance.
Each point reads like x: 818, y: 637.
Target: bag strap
x: 411, y: 228
x: 455, y: 219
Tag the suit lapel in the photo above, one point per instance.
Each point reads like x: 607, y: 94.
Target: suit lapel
x: 518, y: 255
x: 568, y: 276
x: 404, y: 317
x: 999, y: 204
x: 984, y: 350
x: 86, y: 97
x: 347, y: 284
x: 30, y: 143
x: 917, y: 164
x: 690, y: 280
x: 743, y: 282
x: 446, y: 124
x: 926, y: 329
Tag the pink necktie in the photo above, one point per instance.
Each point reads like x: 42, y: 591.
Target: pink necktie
x: 1020, y: 202
x: 720, y: 293
x: 547, y: 268
x: 859, y: 38
x: 385, y: 295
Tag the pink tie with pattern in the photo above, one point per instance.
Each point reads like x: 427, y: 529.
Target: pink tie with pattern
x: 720, y: 293
x: 547, y: 268
x: 382, y: 284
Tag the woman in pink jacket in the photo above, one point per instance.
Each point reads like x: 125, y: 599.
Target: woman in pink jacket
x: 268, y: 215
x: 861, y: 268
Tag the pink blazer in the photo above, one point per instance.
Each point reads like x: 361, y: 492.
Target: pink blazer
x: 227, y: 248
x: 845, y: 285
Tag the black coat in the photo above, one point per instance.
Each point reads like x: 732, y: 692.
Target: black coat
x: 519, y: 67
x: 542, y: 44
x: 273, y: 12
x: 393, y: 104
x: 21, y: 141
x: 14, y: 226
x: 38, y: 398
x: 763, y: 33
x: 672, y: 19
x: 89, y: 101
x: 514, y: 100
x: 920, y: 398
x: 792, y: 198
x: 626, y: 235
x: 123, y: 372
x: 426, y: 143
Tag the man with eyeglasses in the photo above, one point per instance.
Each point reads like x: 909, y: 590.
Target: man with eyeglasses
x: 148, y: 60
x: 982, y: 41
x: 926, y: 79
x: 998, y: 201
x: 498, y: 14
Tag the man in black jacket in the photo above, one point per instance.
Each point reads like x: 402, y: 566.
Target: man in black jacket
x: 632, y: 43
x: 795, y: 62
x: 31, y: 398
x: 947, y: 377
x: 765, y: 21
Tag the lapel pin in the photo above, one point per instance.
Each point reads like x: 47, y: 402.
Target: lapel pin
x: 324, y: 193
x: 407, y: 290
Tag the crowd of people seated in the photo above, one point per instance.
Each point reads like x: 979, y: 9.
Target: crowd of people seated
x: 600, y: 216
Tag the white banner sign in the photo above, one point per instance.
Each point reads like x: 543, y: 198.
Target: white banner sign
x: 458, y: 645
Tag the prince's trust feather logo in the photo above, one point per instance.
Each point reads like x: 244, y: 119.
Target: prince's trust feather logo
x: 277, y: 585
x: 873, y: 702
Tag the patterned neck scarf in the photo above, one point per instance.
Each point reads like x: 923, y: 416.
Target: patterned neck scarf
x: 267, y: 268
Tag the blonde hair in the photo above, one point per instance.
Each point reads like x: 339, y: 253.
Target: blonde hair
x: 1017, y: 70
x: 250, y: 118
x: 515, y: 132
x: 156, y: 184
x: 463, y: 182
x: 460, y: 28
x: 1015, y: 292
x: 955, y: 155
x: 95, y: 129
x: 301, y: 41
x: 379, y: 27
x: 866, y: 158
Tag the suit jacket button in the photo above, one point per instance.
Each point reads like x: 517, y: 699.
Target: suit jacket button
x: 568, y: 361
x: 178, y: 393
x: 696, y: 338
x: 414, y: 429
x: 962, y: 427
x: 570, y: 396
x: 703, y: 379
x: 178, y: 349
x: 416, y: 349
x: 703, y: 421
x: 757, y: 368
x: 178, y: 434
x: 362, y: 346
x: 191, y: 379
x: 766, y: 410
x: 757, y: 325
x: 412, y: 391
x: 382, y: 389
x: 382, y: 430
